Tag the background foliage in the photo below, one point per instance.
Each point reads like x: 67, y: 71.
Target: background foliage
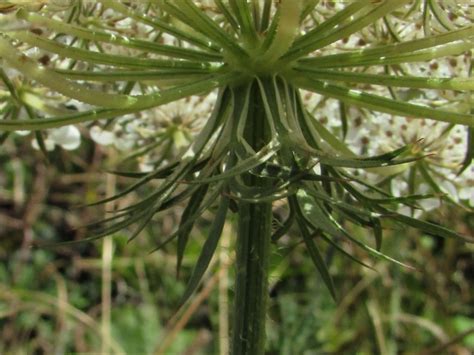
x: 51, y: 299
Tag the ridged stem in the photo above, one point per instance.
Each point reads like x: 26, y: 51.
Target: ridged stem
x: 253, y: 244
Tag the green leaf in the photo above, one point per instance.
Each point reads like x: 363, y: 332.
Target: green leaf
x: 340, y: 249
x: 193, y: 205
x: 286, y: 31
x: 346, y: 30
x: 208, y: 249
x: 160, y: 173
x: 205, y: 205
x: 117, y: 39
x: 142, y: 102
x: 389, y: 80
x: 187, y: 12
x: 326, y: 135
x: 162, y: 77
x: 398, y: 52
x: 143, y: 179
x: 320, y: 218
x: 241, y: 10
x: 382, y: 104
x: 378, y: 234
x: 322, y: 29
x: 161, y: 25
x: 469, y: 151
x: 309, y: 8
x: 441, y: 15
x: 389, y: 156
x: 245, y: 165
x: 104, y: 231
x: 229, y: 17
x: 313, y: 250
x: 427, y: 227
x: 362, y: 163
x: 285, y: 227
x: 56, y: 82
x: 316, y: 215
x: 266, y: 14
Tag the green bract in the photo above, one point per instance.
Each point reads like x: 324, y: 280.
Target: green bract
x: 261, y: 144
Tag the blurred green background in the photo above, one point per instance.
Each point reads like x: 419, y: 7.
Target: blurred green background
x: 111, y: 296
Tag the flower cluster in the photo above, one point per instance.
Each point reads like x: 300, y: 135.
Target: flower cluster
x: 371, y: 133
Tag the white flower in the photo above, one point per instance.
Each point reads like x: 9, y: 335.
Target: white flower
x: 67, y: 137
x: 22, y: 133
x: 101, y: 136
x: 10, y: 22
x: 466, y: 182
x: 399, y: 187
x: 467, y: 193
x: 430, y: 204
x: 48, y: 144
x: 125, y: 143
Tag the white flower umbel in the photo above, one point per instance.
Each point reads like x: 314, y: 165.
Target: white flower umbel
x: 177, y: 122
x: 67, y: 137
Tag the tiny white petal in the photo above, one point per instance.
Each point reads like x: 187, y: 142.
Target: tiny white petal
x: 49, y: 144
x: 22, y: 133
x: 449, y: 188
x: 124, y: 143
x: 430, y: 204
x: 100, y: 136
x: 405, y: 210
x: 67, y: 137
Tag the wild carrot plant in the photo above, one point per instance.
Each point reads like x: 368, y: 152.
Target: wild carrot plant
x: 340, y: 109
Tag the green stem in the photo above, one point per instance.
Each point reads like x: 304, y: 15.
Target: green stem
x: 253, y: 244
